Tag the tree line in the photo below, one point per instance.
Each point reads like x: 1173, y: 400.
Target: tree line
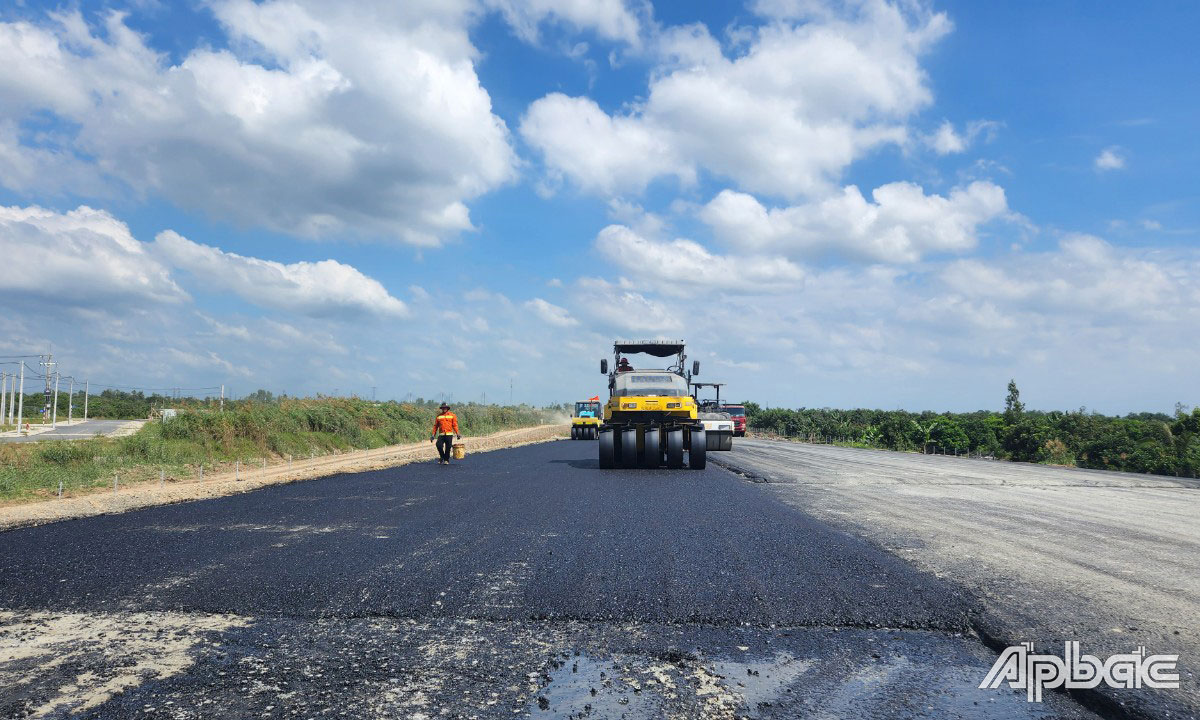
x: 1154, y: 443
x: 114, y: 404
x: 109, y: 404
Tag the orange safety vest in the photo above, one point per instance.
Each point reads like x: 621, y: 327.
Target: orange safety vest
x: 446, y: 424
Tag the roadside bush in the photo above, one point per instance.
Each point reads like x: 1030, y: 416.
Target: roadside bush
x: 1141, y: 442
x: 65, y: 452
x: 262, y: 426
x: 1056, y: 452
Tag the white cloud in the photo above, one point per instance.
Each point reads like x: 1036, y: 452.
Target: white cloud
x: 89, y: 259
x: 600, y: 153
x: 206, y: 360
x: 900, y: 223
x: 550, y: 313
x: 1086, y: 275
x: 615, y: 310
x: 284, y: 336
x: 85, y: 257
x: 237, y: 332
x: 323, y: 119
x: 1110, y: 158
x: 948, y: 141
x: 786, y: 117
x: 610, y: 19
x: 684, y: 267
x: 1068, y: 323
x: 325, y: 288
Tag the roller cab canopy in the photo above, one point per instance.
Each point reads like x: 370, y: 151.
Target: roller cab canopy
x: 657, y: 348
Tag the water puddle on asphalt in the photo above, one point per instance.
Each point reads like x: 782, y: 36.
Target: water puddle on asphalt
x: 636, y: 686
x: 584, y: 687
x: 760, y: 685
x: 761, y: 682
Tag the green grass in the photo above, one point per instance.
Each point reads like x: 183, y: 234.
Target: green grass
x: 246, y: 432
x: 35, y: 421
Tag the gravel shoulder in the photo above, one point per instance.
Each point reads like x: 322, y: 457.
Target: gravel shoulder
x: 1052, y: 554
x: 251, y: 478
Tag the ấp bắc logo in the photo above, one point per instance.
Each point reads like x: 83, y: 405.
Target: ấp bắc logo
x: 1022, y: 669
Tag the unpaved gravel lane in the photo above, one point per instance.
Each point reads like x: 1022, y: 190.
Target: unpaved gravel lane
x: 1054, y: 554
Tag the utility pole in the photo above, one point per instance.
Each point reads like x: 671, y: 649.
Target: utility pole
x: 21, y: 400
x: 222, y: 397
x: 48, y: 363
x: 71, y: 401
x: 54, y: 417
x: 510, y: 397
x: 372, y: 393
x: 85, y: 398
x: 3, y: 397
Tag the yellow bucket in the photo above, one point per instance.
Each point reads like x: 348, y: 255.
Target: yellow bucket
x: 459, y: 449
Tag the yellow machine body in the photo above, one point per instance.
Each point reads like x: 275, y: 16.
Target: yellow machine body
x: 657, y: 407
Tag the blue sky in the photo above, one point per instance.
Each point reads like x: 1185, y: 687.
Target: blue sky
x: 850, y: 203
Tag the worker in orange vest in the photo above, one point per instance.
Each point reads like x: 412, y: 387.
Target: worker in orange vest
x: 445, y: 429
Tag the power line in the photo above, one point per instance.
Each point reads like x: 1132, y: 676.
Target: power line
x: 164, y: 390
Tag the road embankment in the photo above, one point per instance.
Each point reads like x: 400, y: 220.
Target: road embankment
x: 248, y: 478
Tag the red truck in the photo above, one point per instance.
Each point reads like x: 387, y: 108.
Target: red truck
x: 738, y: 413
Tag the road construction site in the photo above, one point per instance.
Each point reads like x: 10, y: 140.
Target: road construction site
x: 528, y: 582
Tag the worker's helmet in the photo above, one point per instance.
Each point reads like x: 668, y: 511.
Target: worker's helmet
x: 444, y: 406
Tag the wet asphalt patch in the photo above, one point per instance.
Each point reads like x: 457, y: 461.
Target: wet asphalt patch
x: 363, y: 668
x: 498, y: 587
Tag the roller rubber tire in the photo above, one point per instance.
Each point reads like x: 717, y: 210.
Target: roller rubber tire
x: 652, y: 457
x: 675, y: 448
x: 698, y: 453
x: 591, y: 433
x: 607, y: 450
x: 574, y: 433
x: 629, y: 453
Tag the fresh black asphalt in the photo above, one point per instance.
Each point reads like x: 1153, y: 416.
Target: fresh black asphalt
x: 539, y: 556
